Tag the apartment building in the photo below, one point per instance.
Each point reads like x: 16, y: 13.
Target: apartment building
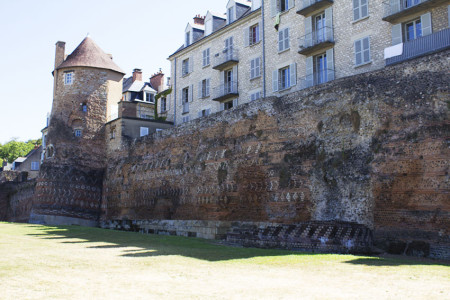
x: 273, y: 47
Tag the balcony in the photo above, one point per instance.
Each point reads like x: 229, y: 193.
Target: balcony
x: 308, y: 7
x: 317, y: 40
x: 226, y: 91
x: 185, y: 108
x: 228, y: 58
x: 428, y: 44
x: 317, y: 78
x: 399, y: 11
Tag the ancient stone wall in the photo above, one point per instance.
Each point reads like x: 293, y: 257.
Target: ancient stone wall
x: 368, y: 149
x: 16, y: 196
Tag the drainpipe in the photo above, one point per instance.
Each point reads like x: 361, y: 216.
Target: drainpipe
x: 263, y: 48
x: 174, y: 91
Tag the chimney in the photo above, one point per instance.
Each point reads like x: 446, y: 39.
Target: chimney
x: 59, y: 53
x: 199, y: 20
x: 157, y: 81
x: 137, y: 75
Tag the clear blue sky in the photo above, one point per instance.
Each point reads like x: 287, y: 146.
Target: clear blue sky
x: 138, y: 33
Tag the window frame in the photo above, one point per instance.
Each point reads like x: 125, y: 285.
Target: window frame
x: 163, y: 104
x: 206, y: 57
x: 405, y: 31
x: 185, y: 67
x: 253, y: 35
x: 359, y: 9
x: 205, y: 88
x: 255, y: 68
x: 284, y: 73
x: 33, y: 166
x: 78, y: 133
x: 143, y: 129
x: 362, y: 51
x: 284, y: 39
x: 68, y: 78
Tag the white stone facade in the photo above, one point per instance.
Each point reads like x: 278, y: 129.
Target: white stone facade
x: 340, y: 38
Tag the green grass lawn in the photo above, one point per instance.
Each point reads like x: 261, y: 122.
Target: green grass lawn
x: 70, y: 262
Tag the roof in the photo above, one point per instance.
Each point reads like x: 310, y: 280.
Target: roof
x: 247, y: 13
x: 137, y: 86
x: 243, y: 2
x: 33, y: 151
x: 89, y: 54
x: 218, y: 15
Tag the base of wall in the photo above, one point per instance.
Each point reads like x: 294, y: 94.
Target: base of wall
x: 317, y: 236
x: 60, y: 220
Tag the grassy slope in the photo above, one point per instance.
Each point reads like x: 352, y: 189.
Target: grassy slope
x: 38, y: 262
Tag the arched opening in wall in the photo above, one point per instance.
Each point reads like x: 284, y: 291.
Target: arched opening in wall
x: 50, y: 152
x: 83, y: 107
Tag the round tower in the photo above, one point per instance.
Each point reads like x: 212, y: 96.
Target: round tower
x: 87, y: 85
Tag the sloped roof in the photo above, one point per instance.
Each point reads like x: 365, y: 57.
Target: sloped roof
x: 137, y: 86
x: 89, y: 54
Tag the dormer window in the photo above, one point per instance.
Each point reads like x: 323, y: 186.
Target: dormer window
x: 68, y: 78
x: 149, y: 97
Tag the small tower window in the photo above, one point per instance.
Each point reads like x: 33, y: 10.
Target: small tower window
x: 78, y: 132
x: 83, y: 107
x: 68, y: 78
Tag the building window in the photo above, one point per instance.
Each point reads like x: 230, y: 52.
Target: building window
x: 360, y: 9
x: 255, y: 68
x: 255, y: 96
x: 163, y: 104
x: 320, y: 68
x: 413, y: 30
x: 185, y: 67
x: 113, y: 133
x: 204, y: 113
x: 284, y: 76
x: 185, y: 95
x: 283, y: 40
x: 83, y: 107
x: 149, y: 97
x: 143, y: 131
x: 77, y: 132
x: 362, y: 51
x: 254, y: 34
x: 283, y: 5
x: 228, y: 105
x: 204, y: 88
x: 206, y: 60
x: 68, y: 78
x: 186, y: 119
x: 409, y: 3
x: 34, y: 166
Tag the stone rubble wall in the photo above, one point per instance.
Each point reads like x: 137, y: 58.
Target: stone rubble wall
x: 369, y: 150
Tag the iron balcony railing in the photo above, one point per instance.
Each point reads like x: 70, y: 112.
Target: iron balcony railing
x: 316, y: 37
x: 185, y: 107
x: 224, y: 90
x: 308, y: 7
x: 226, y: 58
x: 392, y: 7
x: 428, y: 44
x: 319, y: 77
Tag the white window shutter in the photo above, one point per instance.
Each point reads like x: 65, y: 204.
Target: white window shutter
x: 260, y: 32
x: 426, y: 24
x: 358, y: 52
x: 293, y: 71
x: 200, y: 86
x: 356, y: 5
x: 309, y: 80
x: 247, y: 36
x: 181, y: 97
x: 235, y: 102
x: 275, y: 81
x: 328, y: 21
x: 287, y: 39
x: 222, y: 106
x: 308, y: 32
x: 395, y: 6
x: 191, y: 64
x: 273, y: 8
x: 291, y: 4
x: 208, y: 111
x: 199, y: 114
x: 207, y: 87
x: 235, y: 74
x: 396, y: 34
x: 191, y: 93
x: 330, y: 64
x: 280, y: 40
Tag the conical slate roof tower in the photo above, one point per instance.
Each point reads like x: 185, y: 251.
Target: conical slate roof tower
x: 87, y: 85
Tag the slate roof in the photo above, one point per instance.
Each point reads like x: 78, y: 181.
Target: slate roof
x: 137, y: 86
x: 89, y: 54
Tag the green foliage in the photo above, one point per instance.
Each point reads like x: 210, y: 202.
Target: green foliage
x: 14, y: 149
x: 159, y: 95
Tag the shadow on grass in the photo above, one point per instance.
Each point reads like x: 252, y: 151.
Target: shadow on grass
x: 147, y: 245
x: 394, y: 260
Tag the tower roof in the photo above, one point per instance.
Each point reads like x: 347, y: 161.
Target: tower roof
x: 89, y: 54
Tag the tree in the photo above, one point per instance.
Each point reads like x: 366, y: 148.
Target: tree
x: 14, y: 149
